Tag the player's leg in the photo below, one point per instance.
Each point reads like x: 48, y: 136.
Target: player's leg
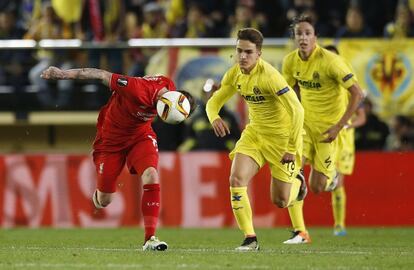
x: 283, y: 194
x: 339, y: 207
x: 101, y: 199
x: 286, y: 195
x: 303, y: 189
x: 345, y: 165
x: 150, y: 207
x: 290, y: 194
x: 318, y: 181
x: 108, y: 166
x: 150, y: 201
x: 143, y: 160
x: 299, y: 234
x: 323, y: 175
x: 285, y: 188
x: 307, y: 156
x: 242, y: 170
x: 247, y: 160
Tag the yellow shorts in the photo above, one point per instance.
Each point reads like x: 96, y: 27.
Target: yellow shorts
x: 321, y: 156
x: 265, y: 148
x: 346, y: 151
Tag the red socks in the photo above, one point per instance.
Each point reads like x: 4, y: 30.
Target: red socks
x: 150, y: 206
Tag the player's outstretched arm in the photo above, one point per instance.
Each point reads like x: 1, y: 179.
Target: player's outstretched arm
x: 54, y: 73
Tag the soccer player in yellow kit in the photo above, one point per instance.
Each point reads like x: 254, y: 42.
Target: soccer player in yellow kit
x: 345, y: 162
x: 318, y: 75
x: 274, y: 134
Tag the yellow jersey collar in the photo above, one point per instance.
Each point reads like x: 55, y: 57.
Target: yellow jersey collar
x: 254, y: 69
x: 314, y: 52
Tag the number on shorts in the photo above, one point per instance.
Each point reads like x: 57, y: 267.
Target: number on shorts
x: 291, y: 168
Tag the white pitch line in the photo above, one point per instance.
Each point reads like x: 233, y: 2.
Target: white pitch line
x: 205, y: 250
x: 74, y: 248
x: 120, y: 266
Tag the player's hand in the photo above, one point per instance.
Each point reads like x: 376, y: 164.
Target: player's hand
x: 220, y: 127
x: 331, y: 133
x: 52, y: 73
x: 288, y: 158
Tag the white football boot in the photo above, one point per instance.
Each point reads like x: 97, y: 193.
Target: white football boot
x: 299, y: 237
x: 153, y: 244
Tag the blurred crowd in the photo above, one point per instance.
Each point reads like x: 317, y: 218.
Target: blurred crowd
x: 110, y: 21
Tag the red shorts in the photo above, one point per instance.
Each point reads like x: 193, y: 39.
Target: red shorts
x: 108, y: 165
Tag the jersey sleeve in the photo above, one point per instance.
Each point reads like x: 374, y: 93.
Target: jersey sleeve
x: 142, y: 90
x: 342, y: 72
x: 220, y: 97
x: 287, y: 71
x: 290, y: 102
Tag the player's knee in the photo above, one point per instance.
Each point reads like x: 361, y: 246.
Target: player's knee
x: 150, y: 176
x: 105, y: 202
x: 280, y: 201
x: 317, y: 187
x: 104, y: 199
x: 236, y: 181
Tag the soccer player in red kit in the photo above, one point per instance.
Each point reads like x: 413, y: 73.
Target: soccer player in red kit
x: 124, y: 135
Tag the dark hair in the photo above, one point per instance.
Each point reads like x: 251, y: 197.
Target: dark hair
x: 252, y: 35
x: 300, y: 19
x: 193, y: 104
x: 332, y: 48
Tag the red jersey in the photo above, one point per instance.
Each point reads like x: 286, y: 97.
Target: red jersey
x: 129, y: 112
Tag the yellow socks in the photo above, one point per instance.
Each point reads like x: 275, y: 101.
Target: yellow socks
x: 338, y: 206
x: 242, y: 210
x: 296, y: 216
x: 294, y: 190
x: 243, y: 213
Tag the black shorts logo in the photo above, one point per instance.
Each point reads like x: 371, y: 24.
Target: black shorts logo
x: 328, y: 162
x: 122, y: 82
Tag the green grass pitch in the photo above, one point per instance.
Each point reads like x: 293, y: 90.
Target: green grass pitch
x: 363, y: 248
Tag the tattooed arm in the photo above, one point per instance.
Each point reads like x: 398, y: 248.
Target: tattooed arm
x: 54, y: 73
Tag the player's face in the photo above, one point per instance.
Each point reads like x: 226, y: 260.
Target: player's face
x: 247, y: 55
x: 305, y: 37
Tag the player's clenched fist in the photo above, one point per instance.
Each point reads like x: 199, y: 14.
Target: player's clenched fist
x: 52, y: 73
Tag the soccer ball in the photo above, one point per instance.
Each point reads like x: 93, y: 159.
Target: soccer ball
x: 173, y: 107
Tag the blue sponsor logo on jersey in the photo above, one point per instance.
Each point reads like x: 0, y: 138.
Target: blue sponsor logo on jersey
x: 284, y: 90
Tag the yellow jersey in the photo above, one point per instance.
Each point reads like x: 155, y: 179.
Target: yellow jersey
x: 274, y: 108
x: 320, y: 79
